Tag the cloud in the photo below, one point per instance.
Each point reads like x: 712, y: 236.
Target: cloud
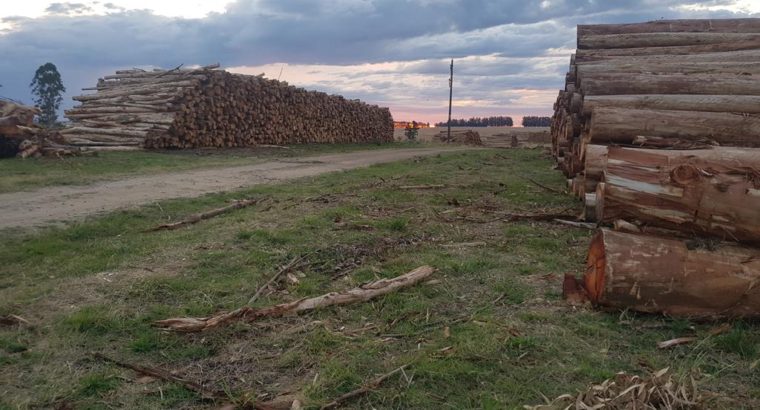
x: 393, y: 52
x: 68, y: 8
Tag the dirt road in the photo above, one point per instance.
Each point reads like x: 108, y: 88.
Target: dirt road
x: 56, y: 204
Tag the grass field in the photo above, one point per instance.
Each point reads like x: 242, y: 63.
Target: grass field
x: 31, y: 173
x: 490, y: 331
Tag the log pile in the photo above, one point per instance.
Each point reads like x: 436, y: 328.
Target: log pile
x: 658, y: 132
x: 21, y: 137
x: 208, y: 107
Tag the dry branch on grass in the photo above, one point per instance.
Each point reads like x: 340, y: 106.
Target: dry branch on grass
x: 359, y: 294
x: 292, y: 264
x: 372, y: 385
x: 540, y: 185
x: 433, y: 186
x: 657, y: 391
x: 166, y: 375
x: 13, y: 320
x: 205, y: 215
x: 204, y: 392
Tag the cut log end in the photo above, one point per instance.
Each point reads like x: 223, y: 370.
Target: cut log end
x: 594, y: 279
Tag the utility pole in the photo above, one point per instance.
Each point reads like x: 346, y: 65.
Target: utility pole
x: 451, y: 94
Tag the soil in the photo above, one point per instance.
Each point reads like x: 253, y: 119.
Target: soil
x: 63, y: 203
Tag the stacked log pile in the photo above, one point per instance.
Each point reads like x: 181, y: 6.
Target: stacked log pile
x: 21, y: 137
x: 658, y: 132
x: 208, y: 107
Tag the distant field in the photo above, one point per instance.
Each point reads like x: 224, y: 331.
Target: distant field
x: 490, y: 135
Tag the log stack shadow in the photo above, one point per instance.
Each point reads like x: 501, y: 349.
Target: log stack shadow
x: 209, y: 107
x: 658, y: 132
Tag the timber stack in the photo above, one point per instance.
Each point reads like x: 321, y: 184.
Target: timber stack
x: 209, y: 107
x: 21, y: 137
x: 658, y: 132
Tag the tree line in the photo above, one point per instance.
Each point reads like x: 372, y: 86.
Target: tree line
x: 498, y: 121
x: 533, y: 121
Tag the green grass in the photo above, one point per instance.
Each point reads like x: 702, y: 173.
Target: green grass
x: 30, y: 173
x: 97, y: 286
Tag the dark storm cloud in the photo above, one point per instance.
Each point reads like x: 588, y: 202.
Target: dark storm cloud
x: 253, y: 32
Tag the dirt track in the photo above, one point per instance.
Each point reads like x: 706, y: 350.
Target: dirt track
x: 55, y: 204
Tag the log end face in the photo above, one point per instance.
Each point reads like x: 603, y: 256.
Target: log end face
x: 594, y: 279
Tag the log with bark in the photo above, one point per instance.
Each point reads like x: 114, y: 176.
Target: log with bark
x: 660, y: 39
x: 707, y: 84
x: 583, y: 55
x: 742, y: 25
x: 678, y: 102
x: 621, y: 125
x: 674, y: 277
x: 712, y: 192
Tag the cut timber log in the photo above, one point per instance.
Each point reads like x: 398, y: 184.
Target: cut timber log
x: 637, y: 40
x: 679, y: 102
x: 620, y: 125
x: 657, y: 275
x: 712, y: 192
x: 596, y: 54
x: 728, y: 56
x: 713, y: 84
x: 746, y: 25
x: 627, y: 67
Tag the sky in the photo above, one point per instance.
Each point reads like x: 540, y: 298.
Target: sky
x: 510, y: 56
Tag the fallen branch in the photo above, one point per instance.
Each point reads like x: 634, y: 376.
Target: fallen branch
x: 434, y: 186
x: 13, y: 320
x: 540, y: 185
x: 204, y: 392
x: 374, y: 384
x: 279, y: 273
x: 249, y: 314
x: 584, y: 225
x: 166, y: 376
x: 204, y: 215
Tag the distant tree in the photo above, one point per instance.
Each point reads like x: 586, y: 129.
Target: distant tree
x: 48, y: 90
x: 499, y: 121
x: 532, y: 121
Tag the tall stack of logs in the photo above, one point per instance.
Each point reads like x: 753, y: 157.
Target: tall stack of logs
x: 658, y: 132
x: 208, y: 107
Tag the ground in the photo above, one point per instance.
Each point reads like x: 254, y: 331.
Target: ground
x: 54, y: 204
x: 489, y: 330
